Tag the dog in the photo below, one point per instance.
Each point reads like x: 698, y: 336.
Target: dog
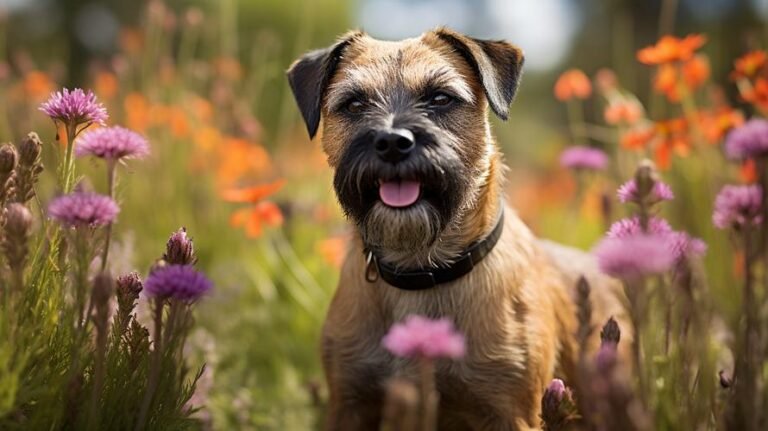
x: 418, y: 173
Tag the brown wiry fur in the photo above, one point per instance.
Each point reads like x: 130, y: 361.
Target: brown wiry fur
x: 515, y: 308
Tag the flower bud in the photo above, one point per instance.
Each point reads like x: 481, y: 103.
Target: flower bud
x: 8, y: 158
x: 18, y: 223
x: 645, y: 178
x: 180, y: 250
x: 30, y: 149
x: 557, y: 406
x: 128, y: 288
x: 611, y: 333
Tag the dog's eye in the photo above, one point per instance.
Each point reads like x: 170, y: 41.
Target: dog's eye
x: 440, y: 100
x: 354, y: 106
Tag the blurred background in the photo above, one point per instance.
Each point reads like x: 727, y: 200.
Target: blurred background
x: 204, y: 80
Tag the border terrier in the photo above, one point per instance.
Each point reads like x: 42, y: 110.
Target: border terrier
x: 419, y: 174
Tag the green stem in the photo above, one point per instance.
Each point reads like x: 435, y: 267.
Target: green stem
x: 576, y: 121
x: 154, y: 372
x: 111, y: 190
x: 67, y: 167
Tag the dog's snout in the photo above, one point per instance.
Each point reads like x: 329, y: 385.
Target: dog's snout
x: 393, y: 145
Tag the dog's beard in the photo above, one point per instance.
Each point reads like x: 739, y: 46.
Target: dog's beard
x: 400, y: 230
x: 445, y: 190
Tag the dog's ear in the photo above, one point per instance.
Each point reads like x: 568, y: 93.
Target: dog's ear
x: 310, y: 75
x: 497, y: 63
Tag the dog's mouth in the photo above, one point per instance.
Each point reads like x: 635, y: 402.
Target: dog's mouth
x: 399, y: 193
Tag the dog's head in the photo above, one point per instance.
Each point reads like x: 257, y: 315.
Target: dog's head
x: 405, y: 126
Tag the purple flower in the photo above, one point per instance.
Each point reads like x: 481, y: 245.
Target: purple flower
x: 748, y: 141
x: 684, y: 245
x: 680, y: 243
x: 736, y: 206
x: 635, y: 256
x: 606, y: 358
x: 422, y: 337
x: 75, y: 107
x: 180, y: 282
x: 628, y: 192
x: 81, y: 209
x: 579, y: 157
x: 112, y: 143
x: 631, y: 226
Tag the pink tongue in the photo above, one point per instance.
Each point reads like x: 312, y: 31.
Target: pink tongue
x: 399, y: 194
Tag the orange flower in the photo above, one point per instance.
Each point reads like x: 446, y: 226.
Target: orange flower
x: 237, y: 158
x: 716, y: 124
x: 207, y: 138
x: 179, y: 123
x: 260, y: 212
x: 572, y: 83
x: 695, y: 71
x: 38, y: 85
x: 255, y: 217
x: 674, y: 137
x: 136, y: 112
x: 627, y: 112
x: 202, y: 109
x: 252, y: 194
x: 757, y: 94
x: 106, y: 85
x: 748, y: 171
x: 748, y: 65
x: 638, y: 138
x: 666, y: 80
x: 333, y: 250
x: 670, y: 49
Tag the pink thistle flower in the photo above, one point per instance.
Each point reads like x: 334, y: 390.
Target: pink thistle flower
x: 628, y: 192
x: 83, y: 209
x: 737, y: 206
x: 680, y: 243
x: 422, y: 337
x: 75, y: 107
x: 112, y: 143
x: 748, y: 141
x: 180, y: 282
x: 635, y: 256
x: 631, y: 226
x: 584, y: 158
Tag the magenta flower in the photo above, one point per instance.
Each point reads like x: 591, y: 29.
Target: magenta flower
x: 631, y: 226
x: 748, y: 141
x: 75, y: 107
x: 737, y: 206
x: 628, y: 192
x: 82, y: 209
x: 635, y: 256
x: 680, y: 243
x: 112, y: 143
x: 180, y: 282
x: 584, y: 158
x: 422, y: 337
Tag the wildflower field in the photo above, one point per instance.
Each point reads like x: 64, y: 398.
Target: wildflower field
x: 170, y: 240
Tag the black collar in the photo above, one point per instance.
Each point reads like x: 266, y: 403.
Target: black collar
x: 425, y: 278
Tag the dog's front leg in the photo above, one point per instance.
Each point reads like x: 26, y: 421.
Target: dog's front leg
x: 356, y: 397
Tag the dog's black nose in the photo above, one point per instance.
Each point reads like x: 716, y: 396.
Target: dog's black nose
x: 393, y: 145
